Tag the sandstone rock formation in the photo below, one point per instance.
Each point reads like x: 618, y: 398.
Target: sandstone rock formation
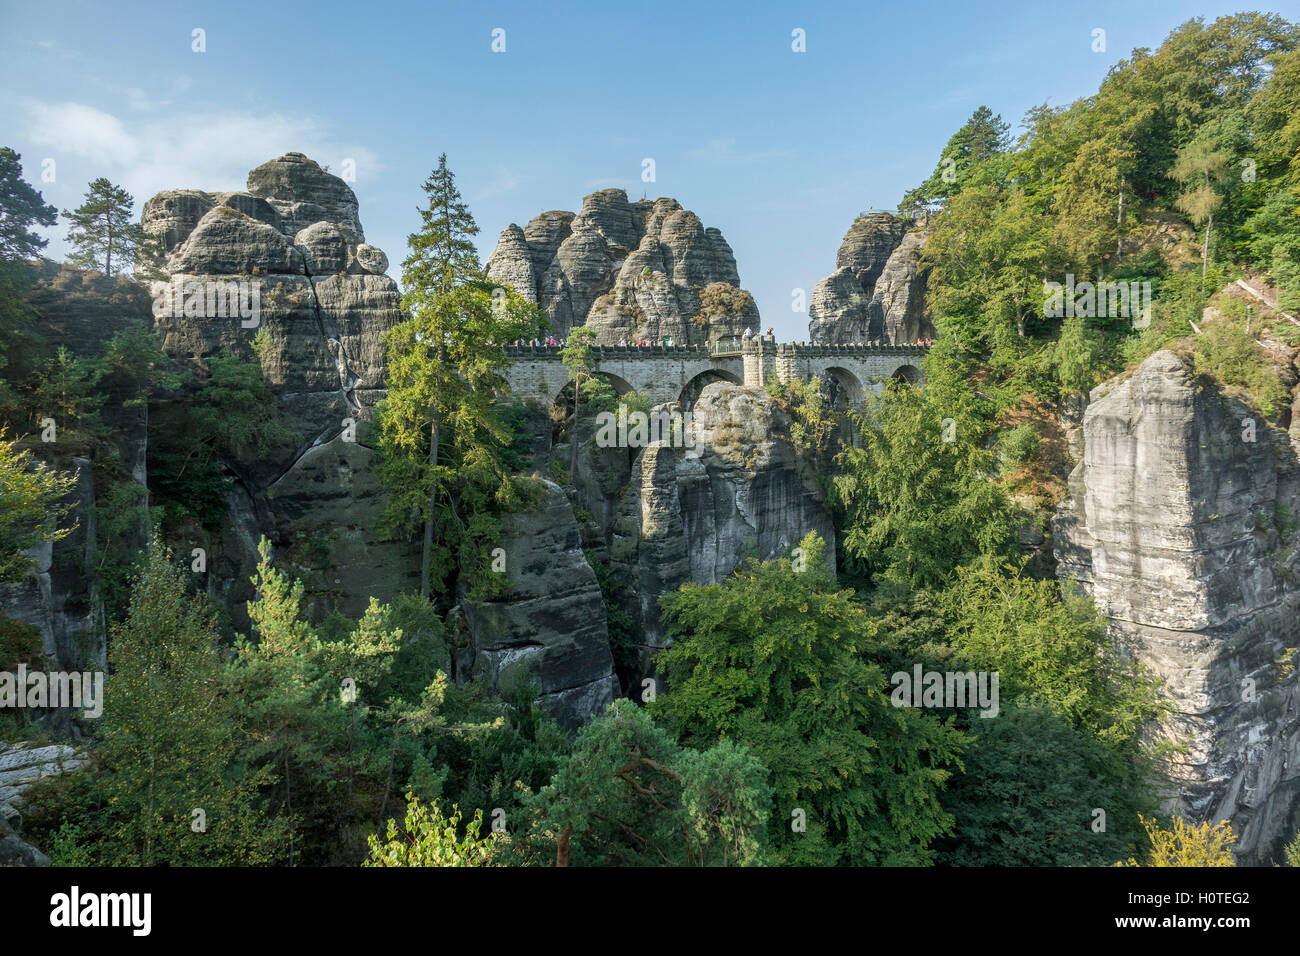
x: 629, y: 270
x: 696, y: 513
x: 59, y: 599
x: 1180, y: 525
x: 550, y: 626
x: 293, y: 250
x: 22, y: 765
x: 880, y: 255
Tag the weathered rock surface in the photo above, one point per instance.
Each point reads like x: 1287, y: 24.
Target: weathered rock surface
x: 323, y: 305
x: 1179, y: 526
x: 748, y: 490
x: 629, y: 270
x: 880, y: 254
x: 226, y: 241
x: 550, y: 626
x: 303, y: 193
x: 694, y: 513
x: 58, y: 598
x: 902, y: 287
x: 22, y: 765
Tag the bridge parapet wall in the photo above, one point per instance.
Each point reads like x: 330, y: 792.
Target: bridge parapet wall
x: 537, y: 373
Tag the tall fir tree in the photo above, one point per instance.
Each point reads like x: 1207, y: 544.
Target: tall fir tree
x: 440, y: 431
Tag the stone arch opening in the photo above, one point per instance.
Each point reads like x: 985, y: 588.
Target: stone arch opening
x: 562, y: 404
x: 690, y: 392
x: 844, y: 387
x: 907, y: 373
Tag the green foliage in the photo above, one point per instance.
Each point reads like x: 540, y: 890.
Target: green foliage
x: 444, y: 446
x: 230, y: 416
x: 917, y: 504
x: 815, y: 427
x: 1027, y: 797
x: 1192, y: 129
x: 1079, y: 358
x: 31, y: 507
x: 629, y: 795
x: 1293, y: 851
x: 1017, y: 445
x: 980, y: 139
x: 1187, y: 845
x: 591, y: 392
x: 169, y: 742
x: 21, y: 207
x: 102, y: 232
x: 783, y: 663
x: 20, y: 643
x: 1047, y: 648
x: 624, y: 629
x: 427, y: 838
x: 68, y: 391
x: 1230, y: 354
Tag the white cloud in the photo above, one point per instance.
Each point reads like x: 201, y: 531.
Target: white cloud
x: 194, y: 149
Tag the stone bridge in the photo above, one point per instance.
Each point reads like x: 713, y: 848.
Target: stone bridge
x: 679, y: 373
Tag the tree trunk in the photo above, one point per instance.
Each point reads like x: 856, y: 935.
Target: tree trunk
x: 1205, y: 249
x: 1119, y: 223
x: 562, y: 847
x: 426, y: 561
x: 573, y: 434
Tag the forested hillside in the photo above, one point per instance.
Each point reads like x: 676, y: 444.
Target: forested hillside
x: 356, y: 604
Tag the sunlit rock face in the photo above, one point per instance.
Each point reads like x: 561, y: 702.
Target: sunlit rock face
x: 880, y: 256
x: 629, y: 270
x: 281, y: 275
x: 1179, y: 525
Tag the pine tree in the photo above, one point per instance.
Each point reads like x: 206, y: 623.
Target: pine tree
x: 21, y: 207
x: 102, y: 232
x: 440, y: 431
x: 980, y: 138
x: 170, y: 741
x: 442, y: 254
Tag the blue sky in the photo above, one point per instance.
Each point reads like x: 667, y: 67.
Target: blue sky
x: 777, y: 149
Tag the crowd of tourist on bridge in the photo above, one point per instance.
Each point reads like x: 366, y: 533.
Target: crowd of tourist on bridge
x: 668, y: 342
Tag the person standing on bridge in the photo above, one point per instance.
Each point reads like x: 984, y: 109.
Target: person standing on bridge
x: 749, y: 334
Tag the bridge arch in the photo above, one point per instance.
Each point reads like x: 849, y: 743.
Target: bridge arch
x: 561, y: 408
x: 907, y: 373
x: 845, y: 387
x: 690, y: 392
x: 564, y: 395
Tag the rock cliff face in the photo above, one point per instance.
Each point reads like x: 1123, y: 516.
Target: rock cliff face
x: 59, y: 599
x: 551, y: 623
x: 629, y: 270
x: 1180, y: 525
x: 292, y: 251
x: 693, y: 514
x: 879, y: 256
x: 21, y: 765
